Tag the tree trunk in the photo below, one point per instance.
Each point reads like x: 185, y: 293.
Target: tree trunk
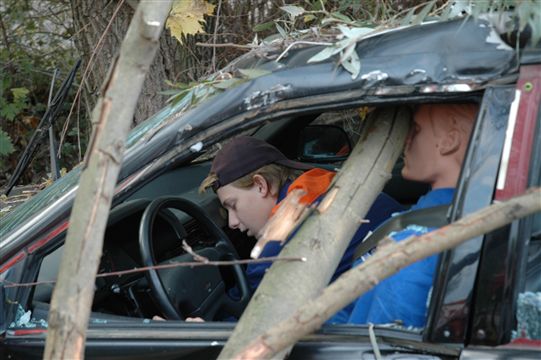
x: 74, y: 290
x: 174, y: 62
x: 388, y: 259
x: 323, y: 239
x: 90, y: 18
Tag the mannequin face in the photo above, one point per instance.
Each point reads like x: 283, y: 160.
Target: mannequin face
x: 422, y: 155
x: 248, y: 209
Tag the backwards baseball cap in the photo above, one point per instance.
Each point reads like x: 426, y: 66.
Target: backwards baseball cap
x: 245, y: 154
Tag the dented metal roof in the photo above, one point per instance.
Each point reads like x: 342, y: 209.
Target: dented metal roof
x: 438, y: 58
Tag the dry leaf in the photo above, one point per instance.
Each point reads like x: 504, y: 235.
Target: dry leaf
x: 187, y: 17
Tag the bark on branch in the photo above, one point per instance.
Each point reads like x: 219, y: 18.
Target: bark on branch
x: 323, y: 239
x: 388, y: 260
x: 72, y: 298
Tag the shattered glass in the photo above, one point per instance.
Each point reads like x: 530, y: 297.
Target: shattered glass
x: 24, y: 319
x: 528, y: 316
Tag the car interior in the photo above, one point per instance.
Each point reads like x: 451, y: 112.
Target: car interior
x: 141, y: 231
x: 322, y: 139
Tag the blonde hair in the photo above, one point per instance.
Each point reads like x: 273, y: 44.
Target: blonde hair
x: 276, y: 175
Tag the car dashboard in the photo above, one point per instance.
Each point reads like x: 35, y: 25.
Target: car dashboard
x: 129, y: 295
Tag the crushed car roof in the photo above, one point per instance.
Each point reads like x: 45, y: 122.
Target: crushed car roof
x: 457, y: 56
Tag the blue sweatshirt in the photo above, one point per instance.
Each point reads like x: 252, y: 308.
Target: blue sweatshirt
x: 403, y: 296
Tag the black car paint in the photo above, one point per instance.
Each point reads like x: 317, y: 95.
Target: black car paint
x: 178, y: 340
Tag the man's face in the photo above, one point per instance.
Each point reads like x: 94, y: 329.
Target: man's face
x: 421, y: 154
x: 248, y: 209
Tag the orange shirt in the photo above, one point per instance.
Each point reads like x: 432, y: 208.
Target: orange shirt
x: 313, y: 182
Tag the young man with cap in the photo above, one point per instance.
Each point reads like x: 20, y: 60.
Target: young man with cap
x: 252, y: 177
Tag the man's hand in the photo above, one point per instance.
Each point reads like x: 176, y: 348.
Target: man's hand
x: 188, y: 319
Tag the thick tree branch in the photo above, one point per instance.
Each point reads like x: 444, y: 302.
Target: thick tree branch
x: 388, y: 260
x: 73, y: 294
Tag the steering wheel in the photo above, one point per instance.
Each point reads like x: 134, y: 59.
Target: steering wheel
x: 197, y: 291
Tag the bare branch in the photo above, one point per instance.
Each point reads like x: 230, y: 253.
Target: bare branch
x: 246, y: 47
x: 190, y: 251
x: 203, y: 262
x: 217, y: 21
x: 5, y: 35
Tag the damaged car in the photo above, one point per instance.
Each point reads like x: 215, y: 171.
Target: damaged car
x: 484, y: 296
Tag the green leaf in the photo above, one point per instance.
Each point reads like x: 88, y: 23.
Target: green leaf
x: 31, y: 26
x: 179, y: 96
x: 19, y: 93
x: 229, y: 83
x: 353, y: 65
x: 423, y: 13
x: 324, y: 54
x: 327, y: 20
x: 341, y: 17
x: 264, y: 26
x: 407, y: 19
x: 342, y: 44
x: 346, y: 54
x: 169, y: 83
x: 73, y: 131
x: 308, y: 18
x: 6, y: 146
x: 253, y: 73
x: 317, y: 5
x: 281, y: 30
x: 354, y: 33
x: 180, y: 86
x: 344, y: 4
x: 356, y: 6
x: 169, y: 92
x: 9, y: 111
x: 293, y: 10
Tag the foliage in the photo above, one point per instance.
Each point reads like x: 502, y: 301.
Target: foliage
x: 9, y: 108
x: 195, y: 92
x: 346, y: 47
x: 187, y: 17
x: 35, y: 38
x: 349, y: 29
x: 6, y: 147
